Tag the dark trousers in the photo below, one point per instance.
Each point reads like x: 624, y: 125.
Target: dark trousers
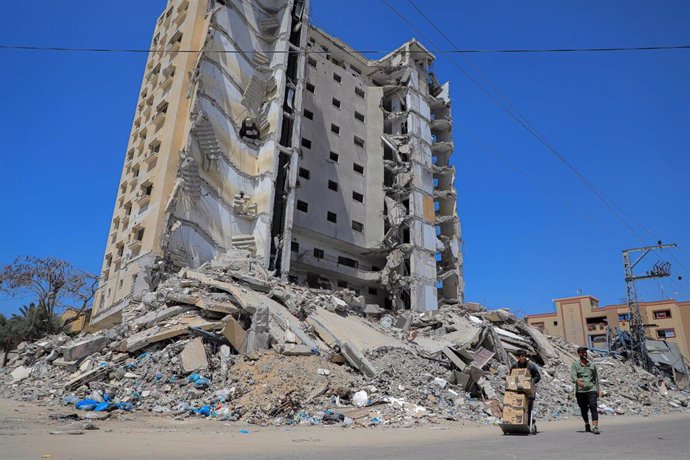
x: 588, y: 402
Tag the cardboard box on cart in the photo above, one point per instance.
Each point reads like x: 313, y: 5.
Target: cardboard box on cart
x: 514, y: 415
x: 515, y: 399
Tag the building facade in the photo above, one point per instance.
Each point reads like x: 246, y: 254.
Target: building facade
x: 256, y: 130
x: 582, y: 321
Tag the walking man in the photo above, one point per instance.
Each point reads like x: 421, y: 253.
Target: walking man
x: 523, y: 363
x: 586, y: 380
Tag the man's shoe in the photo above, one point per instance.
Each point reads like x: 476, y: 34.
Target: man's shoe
x: 588, y: 429
x: 595, y: 430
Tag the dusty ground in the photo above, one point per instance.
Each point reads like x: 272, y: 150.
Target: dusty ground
x: 25, y: 428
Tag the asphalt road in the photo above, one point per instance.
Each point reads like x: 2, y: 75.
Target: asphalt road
x: 656, y: 439
x: 25, y: 428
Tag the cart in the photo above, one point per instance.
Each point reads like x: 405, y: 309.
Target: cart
x: 511, y: 428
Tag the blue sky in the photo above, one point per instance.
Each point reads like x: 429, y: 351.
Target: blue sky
x: 621, y: 118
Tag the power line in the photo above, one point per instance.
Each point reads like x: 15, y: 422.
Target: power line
x: 551, y: 193
x: 574, y: 50
x: 518, y: 117
x: 511, y: 110
x: 440, y: 51
x: 165, y: 50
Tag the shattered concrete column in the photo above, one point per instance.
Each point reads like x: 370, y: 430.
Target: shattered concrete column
x: 409, y: 160
x: 290, y: 133
x: 447, y: 222
x: 258, y: 337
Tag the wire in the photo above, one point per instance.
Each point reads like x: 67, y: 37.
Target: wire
x: 164, y: 50
x: 551, y: 193
x: 518, y: 117
x: 511, y: 110
x: 440, y: 51
x: 576, y: 50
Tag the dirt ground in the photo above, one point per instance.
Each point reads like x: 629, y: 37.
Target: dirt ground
x: 25, y: 434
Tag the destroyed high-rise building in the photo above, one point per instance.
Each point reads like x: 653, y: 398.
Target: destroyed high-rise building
x: 333, y: 169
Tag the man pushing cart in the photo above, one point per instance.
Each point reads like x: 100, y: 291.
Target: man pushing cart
x: 518, y: 402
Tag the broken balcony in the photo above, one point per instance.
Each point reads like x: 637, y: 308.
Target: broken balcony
x: 159, y: 119
x: 181, y: 16
x: 184, y: 4
x: 441, y: 123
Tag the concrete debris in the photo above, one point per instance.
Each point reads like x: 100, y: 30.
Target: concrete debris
x: 230, y: 342
x: 20, y: 374
x: 83, y: 347
x: 193, y: 356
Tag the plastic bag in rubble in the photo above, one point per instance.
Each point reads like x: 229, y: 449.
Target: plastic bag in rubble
x: 125, y: 406
x: 86, y: 404
x: 360, y: 399
x: 203, y: 410
x: 102, y: 406
x: 70, y: 399
x: 198, y: 380
x: 185, y: 407
x: 222, y: 413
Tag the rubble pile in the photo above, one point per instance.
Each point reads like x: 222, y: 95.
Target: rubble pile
x: 231, y: 342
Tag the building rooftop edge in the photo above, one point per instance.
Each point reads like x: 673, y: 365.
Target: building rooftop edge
x: 683, y: 303
x: 576, y: 297
x: 372, y: 62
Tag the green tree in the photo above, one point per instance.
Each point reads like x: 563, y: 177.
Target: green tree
x: 56, y: 284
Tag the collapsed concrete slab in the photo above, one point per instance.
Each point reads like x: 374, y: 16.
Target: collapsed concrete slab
x: 156, y: 334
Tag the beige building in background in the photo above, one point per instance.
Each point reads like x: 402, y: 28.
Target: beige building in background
x: 255, y: 130
x: 582, y: 321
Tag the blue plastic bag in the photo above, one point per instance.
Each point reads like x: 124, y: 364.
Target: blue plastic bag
x: 203, y: 410
x: 103, y: 406
x: 126, y: 406
x: 198, y: 380
x: 86, y: 404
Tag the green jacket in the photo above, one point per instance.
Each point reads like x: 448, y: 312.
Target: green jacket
x: 587, y: 373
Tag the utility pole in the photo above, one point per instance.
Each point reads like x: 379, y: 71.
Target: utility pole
x: 638, y: 348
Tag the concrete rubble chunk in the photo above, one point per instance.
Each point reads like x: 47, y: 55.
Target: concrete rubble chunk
x: 258, y: 336
x: 296, y: 350
x: 83, y: 347
x: 237, y: 336
x: 21, y: 373
x: 357, y: 359
x: 238, y: 260
x: 541, y: 343
x: 455, y: 358
x: 156, y: 316
x: 193, y: 356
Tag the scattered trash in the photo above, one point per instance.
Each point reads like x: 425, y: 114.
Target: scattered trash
x: 75, y: 428
x: 360, y: 399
